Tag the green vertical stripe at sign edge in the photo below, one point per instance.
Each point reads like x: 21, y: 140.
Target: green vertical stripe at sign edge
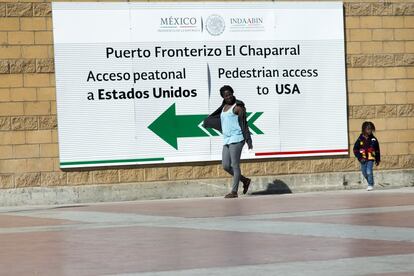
x: 111, y: 161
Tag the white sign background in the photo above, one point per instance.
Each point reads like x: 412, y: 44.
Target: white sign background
x: 116, y: 132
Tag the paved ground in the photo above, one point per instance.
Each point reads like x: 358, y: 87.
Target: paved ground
x: 331, y: 233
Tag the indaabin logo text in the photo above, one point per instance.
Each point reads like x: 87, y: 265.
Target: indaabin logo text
x: 247, y: 24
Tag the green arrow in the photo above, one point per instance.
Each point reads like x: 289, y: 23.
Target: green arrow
x: 251, y: 121
x: 169, y: 126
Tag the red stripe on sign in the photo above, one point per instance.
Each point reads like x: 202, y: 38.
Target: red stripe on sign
x: 300, y: 152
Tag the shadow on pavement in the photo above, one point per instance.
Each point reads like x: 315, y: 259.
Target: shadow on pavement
x: 276, y: 187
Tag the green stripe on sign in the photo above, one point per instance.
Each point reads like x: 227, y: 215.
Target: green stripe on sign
x: 112, y: 161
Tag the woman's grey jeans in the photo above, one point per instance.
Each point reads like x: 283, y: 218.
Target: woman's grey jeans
x: 231, y: 162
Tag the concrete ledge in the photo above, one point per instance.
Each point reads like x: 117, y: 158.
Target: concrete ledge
x: 201, y: 188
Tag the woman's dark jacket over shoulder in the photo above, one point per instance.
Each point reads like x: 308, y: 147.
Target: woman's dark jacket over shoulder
x: 214, y: 121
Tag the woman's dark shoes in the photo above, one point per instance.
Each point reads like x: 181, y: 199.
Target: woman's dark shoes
x: 231, y: 195
x: 246, y: 184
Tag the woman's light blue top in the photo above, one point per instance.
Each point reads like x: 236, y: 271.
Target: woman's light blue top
x: 232, y: 132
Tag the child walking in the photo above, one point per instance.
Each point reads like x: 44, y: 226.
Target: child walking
x: 367, y: 150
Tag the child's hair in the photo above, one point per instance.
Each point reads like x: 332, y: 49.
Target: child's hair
x: 367, y: 124
x: 226, y: 88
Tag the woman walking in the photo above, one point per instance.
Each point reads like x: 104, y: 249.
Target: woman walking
x: 230, y: 119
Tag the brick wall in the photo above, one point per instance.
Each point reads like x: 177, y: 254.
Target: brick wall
x: 380, y: 62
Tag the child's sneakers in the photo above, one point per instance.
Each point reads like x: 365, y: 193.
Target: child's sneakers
x: 370, y: 188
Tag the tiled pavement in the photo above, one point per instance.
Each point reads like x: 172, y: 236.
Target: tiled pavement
x: 330, y: 233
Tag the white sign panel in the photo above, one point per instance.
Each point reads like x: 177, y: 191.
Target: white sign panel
x: 134, y: 81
